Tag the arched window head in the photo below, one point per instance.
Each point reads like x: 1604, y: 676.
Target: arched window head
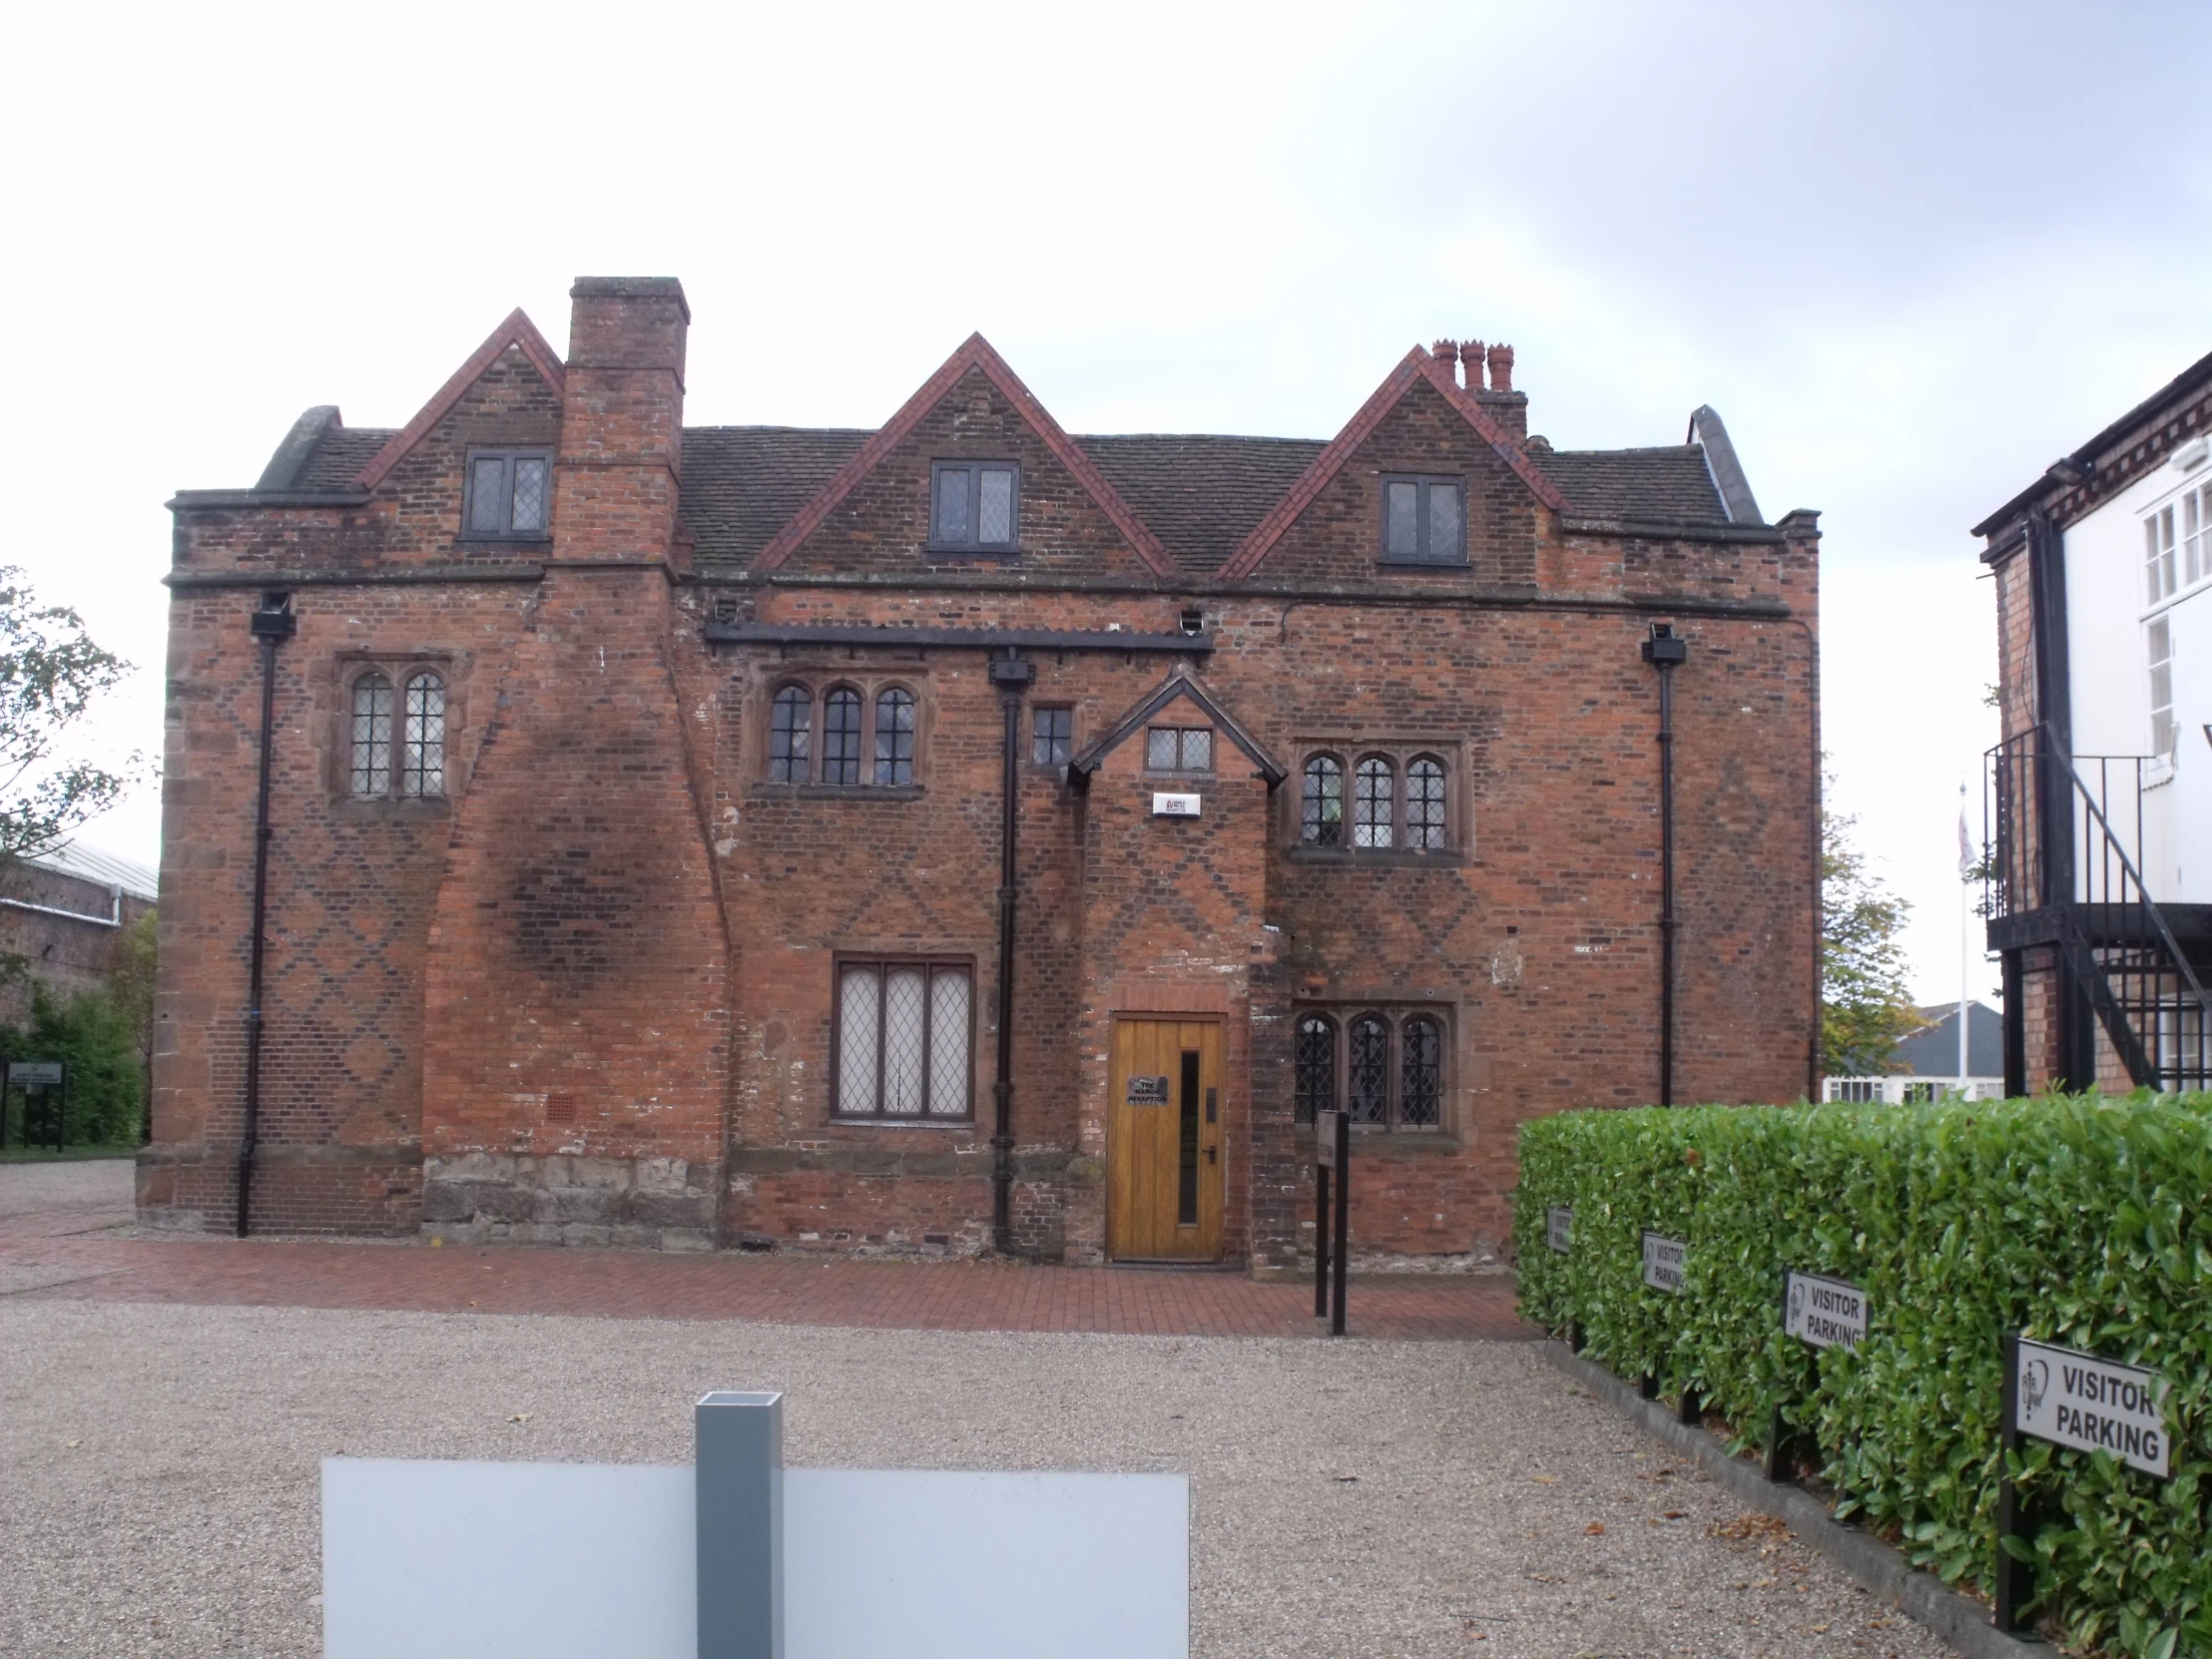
x: 894, y: 737
x: 1314, y: 1068
x: 1424, y: 803
x: 371, y: 735
x: 1420, y: 1083
x: 1368, y: 1070
x: 840, y: 736
x: 1321, y: 812
x: 422, y: 739
x: 1374, y: 799
x: 789, y: 734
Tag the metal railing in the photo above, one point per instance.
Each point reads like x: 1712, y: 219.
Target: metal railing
x: 2064, y: 835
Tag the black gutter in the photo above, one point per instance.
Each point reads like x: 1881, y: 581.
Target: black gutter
x: 1665, y: 652
x: 988, y: 639
x: 272, y: 624
x: 1011, y: 675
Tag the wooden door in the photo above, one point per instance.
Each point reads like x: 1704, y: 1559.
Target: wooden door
x: 1164, y: 1141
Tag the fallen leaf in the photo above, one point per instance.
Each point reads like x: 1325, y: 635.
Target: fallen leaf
x: 521, y: 1416
x: 1676, y: 1514
x: 1593, y: 1529
x: 1545, y: 1480
x: 74, y: 1445
x: 1750, y: 1525
x: 1820, y: 1630
x: 1763, y: 1583
x: 1344, y: 1480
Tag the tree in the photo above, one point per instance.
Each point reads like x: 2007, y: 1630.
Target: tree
x: 1865, y: 1008
x: 50, y: 673
x: 92, y: 1035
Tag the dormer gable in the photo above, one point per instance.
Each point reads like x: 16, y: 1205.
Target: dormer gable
x: 518, y: 336
x: 1181, y: 694
x: 972, y: 468
x: 1419, y: 427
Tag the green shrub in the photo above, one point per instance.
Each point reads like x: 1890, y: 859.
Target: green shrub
x: 2078, y: 1220
x: 98, y: 1041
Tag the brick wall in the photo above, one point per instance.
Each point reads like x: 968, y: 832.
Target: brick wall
x: 590, y: 995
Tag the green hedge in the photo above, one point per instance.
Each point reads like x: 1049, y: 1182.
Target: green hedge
x: 2085, y: 1220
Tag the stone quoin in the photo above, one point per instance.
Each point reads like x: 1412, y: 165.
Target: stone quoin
x: 695, y: 837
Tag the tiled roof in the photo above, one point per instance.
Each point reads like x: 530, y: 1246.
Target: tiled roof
x: 339, y: 456
x: 1668, y: 486
x: 742, y: 484
x: 1201, y: 494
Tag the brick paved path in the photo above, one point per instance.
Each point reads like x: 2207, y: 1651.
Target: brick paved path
x: 90, y: 1254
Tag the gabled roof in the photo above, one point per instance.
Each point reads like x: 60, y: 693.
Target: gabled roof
x: 1178, y: 684
x: 1670, y: 485
x: 1417, y: 365
x: 103, y: 870
x: 975, y: 352
x: 517, y: 331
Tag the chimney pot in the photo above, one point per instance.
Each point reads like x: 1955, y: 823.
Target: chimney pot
x: 1501, y: 368
x: 1472, y: 357
x: 1446, y: 352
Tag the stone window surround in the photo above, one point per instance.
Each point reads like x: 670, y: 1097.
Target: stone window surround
x: 1458, y: 844
x: 817, y: 683
x: 348, y: 669
x: 1395, y: 1014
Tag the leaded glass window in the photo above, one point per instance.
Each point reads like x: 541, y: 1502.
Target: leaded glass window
x: 1368, y: 1070
x: 1374, y: 797
x: 1051, y: 736
x: 904, y: 1038
x: 510, y: 493
x: 1424, y: 803
x: 371, y: 735
x: 1420, y: 1087
x: 1322, y: 812
x: 972, y: 508
x: 1314, y: 1068
x: 1179, y: 748
x: 791, y: 723
x: 422, y: 739
x: 894, y: 737
x: 1423, y: 521
x: 840, y: 737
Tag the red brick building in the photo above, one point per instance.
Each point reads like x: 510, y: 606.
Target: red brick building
x: 898, y: 838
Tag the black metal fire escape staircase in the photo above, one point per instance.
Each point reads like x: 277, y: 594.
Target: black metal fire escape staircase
x: 2059, y: 874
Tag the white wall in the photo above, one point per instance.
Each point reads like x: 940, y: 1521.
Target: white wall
x: 2107, y: 609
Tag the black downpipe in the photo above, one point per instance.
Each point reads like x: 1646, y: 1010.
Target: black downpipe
x: 1012, y: 676
x: 1666, y: 653
x: 272, y: 624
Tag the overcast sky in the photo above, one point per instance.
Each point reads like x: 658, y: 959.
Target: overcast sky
x: 1911, y: 254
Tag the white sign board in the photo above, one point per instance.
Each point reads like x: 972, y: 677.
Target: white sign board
x: 1559, y: 1228
x: 2077, y: 1399
x: 1663, y: 1263
x: 1828, y: 1312
x: 36, y: 1073
x: 1173, y: 805
x: 452, y: 1558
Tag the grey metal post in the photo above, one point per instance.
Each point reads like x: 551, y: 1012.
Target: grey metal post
x: 740, y: 1482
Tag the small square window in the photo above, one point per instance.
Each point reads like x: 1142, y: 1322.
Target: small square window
x: 510, y: 494
x: 1423, y: 522
x: 1051, y: 736
x: 972, y: 508
x: 1179, y: 748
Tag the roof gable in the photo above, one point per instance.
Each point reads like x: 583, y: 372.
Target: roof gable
x: 1415, y: 366
x: 516, y: 332
x: 976, y: 353
x: 1179, y: 683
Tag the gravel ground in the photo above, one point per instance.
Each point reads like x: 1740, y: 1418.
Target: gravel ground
x: 159, y: 1469
x: 64, y: 1185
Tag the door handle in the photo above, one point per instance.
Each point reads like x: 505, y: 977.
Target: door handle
x: 1210, y: 1156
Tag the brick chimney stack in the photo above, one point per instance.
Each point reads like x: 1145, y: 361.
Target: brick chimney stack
x: 1446, y: 352
x: 622, y: 419
x: 1472, y: 357
x: 1501, y: 368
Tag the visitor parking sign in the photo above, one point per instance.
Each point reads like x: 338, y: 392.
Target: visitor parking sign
x: 2073, y: 1399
